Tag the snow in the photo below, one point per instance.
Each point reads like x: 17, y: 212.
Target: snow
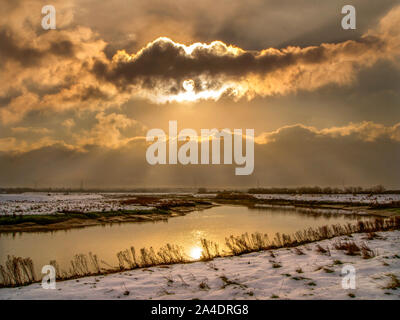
x: 358, y: 198
x: 314, y: 210
x: 52, y: 203
x: 250, y: 276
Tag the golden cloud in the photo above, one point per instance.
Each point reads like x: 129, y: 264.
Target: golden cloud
x: 67, y: 69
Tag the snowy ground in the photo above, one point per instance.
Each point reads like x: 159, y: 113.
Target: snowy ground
x: 51, y: 203
x: 314, y: 210
x: 358, y: 198
x: 287, y: 275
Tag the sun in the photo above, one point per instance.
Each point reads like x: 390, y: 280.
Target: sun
x: 188, y: 85
x: 195, y: 253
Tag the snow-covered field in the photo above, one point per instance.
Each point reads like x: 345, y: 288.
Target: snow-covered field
x: 313, y: 210
x: 261, y: 275
x: 359, y: 198
x: 50, y: 203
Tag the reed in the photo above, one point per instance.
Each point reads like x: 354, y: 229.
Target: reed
x: 210, y: 250
x: 255, y: 242
x: 17, y: 271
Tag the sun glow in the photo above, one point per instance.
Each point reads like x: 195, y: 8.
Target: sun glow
x: 188, y: 85
x: 195, y: 253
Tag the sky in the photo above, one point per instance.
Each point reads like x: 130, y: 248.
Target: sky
x: 76, y: 102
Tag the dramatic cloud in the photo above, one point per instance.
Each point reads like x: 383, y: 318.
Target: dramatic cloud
x: 109, y: 130
x: 365, y: 131
x: 293, y: 155
x: 68, y: 69
x: 50, y: 74
x: 160, y: 69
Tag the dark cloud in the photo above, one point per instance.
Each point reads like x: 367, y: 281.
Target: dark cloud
x: 89, y: 93
x: 28, y: 55
x: 9, y: 49
x: 165, y: 60
x: 8, y: 97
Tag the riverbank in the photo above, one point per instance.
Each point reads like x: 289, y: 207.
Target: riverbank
x: 311, y: 271
x: 360, y: 204
x: 64, y: 221
x: 38, y: 212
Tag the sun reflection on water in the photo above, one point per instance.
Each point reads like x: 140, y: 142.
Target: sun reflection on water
x: 195, y: 253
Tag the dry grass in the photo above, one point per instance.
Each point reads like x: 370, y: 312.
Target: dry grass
x: 17, y: 271
x: 350, y: 247
x: 169, y: 254
x: 394, y: 282
x: 372, y: 236
x: 367, y: 252
x: 256, y: 242
x: 328, y: 270
x: 320, y: 249
x: 299, y: 270
x: 299, y: 252
x: 210, y: 250
x: 228, y: 282
x: 204, y: 286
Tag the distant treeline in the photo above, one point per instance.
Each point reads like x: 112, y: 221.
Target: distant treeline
x: 92, y: 190
x: 379, y: 189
